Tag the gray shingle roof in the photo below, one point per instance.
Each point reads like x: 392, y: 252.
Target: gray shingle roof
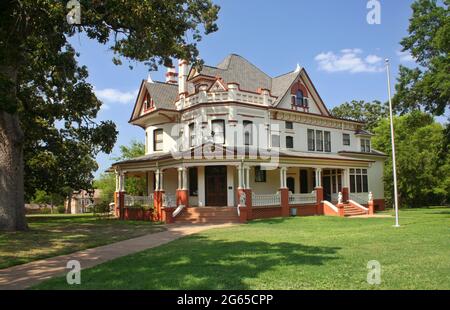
x: 163, y: 94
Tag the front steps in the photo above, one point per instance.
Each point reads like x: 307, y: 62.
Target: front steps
x: 208, y: 215
x: 350, y: 210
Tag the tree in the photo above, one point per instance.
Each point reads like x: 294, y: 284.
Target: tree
x: 423, y: 171
x: 133, y: 185
x: 369, y: 112
x: 427, y: 86
x: 42, y: 197
x: 47, y: 108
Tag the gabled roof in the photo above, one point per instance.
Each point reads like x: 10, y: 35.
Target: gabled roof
x: 164, y: 96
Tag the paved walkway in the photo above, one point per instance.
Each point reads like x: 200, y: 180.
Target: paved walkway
x: 26, y: 275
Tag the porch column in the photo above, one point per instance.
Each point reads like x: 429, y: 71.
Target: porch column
x: 319, y: 191
x: 244, y: 195
x: 118, y: 195
x: 158, y: 196
x: 201, y: 186
x: 230, y: 186
x: 284, y: 192
x: 345, y: 184
x: 182, y: 191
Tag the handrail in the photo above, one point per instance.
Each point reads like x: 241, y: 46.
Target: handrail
x: 178, y: 210
x: 356, y: 204
x: 332, y: 206
x: 302, y: 198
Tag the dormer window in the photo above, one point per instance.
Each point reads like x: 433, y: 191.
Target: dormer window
x: 148, y: 103
x: 299, y: 98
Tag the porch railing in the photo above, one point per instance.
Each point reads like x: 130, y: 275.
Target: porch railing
x: 169, y: 200
x: 266, y: 200
x: 140, y: 200
x: 361, y: 198
x: 297, y: 199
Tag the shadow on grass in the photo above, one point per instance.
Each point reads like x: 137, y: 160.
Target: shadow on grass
x: 197, y: 262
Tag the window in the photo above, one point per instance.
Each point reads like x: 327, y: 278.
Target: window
x: 248, y: 133
x: 311, y: 146
x: 365, y: 145
x: 218, y: 131
x: 275, y: 140
x: 260, y: 174
x: 146, y: 142
x: 193, y: 183
x: 305, y: 102
x: 157, y: 140
x: 327, y: 136
x: 191, y: 135
x: 299, y: 98
x: 319, y: 140
x: 345, y: 139
x: 359, y: 182
x: 289, y: 142
x: 289, y: 125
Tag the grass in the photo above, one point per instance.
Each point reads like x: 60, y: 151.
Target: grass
x: 292, y: 253
x: 57, y: 234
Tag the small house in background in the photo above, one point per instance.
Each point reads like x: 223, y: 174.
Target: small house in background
x: 82, y: 201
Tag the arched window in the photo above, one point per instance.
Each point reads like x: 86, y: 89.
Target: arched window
x: 299, y: 98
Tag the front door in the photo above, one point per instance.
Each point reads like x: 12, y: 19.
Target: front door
x: 326, y: 180
x: 216, y: 186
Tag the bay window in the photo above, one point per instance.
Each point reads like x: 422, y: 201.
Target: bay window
x: 218, y: 131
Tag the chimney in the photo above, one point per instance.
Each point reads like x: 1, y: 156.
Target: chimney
x: 182, y: 77
x: 171, y: 75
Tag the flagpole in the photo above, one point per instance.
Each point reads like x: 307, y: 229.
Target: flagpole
x: 394, y: 169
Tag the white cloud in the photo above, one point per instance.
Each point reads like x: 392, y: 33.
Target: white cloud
x: 405, y: 56
x: 350, y: 60
x: 111, y: 95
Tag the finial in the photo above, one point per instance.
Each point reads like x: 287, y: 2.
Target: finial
x: 298, y: 68
x: 149, y: 78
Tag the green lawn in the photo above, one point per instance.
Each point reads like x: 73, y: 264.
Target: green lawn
x: 54, y: 234
x: 294, y: 253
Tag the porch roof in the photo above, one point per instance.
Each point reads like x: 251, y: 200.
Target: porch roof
x: 216, y: 154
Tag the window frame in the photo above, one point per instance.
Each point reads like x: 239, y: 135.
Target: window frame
x: 192, y: 135
x: 298, y: 99
x: 248, y: 124
x: 155, y: 141
x: 319, y: 141
x: 327, y: 141
x: 291, y: 144
x: 359, y: 180
x: 277, y: 139
x: 260, y: 175
x: 346, y: 141
x: 311, y: 140
x: 291, y: 125
x: 222, y: 122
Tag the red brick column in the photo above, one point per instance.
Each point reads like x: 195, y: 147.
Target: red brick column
x: 371, y: 207
x: 284, y: 200
x: 157, y: 202
x: 183, y: 197
x: 319, y: 196
x: 345, y: 196
x: 119, y: 205
x: 341, y: 210
x: 246, y: 212
x: 167, y: 215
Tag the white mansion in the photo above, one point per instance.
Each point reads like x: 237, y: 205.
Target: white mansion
x: 231, y: 143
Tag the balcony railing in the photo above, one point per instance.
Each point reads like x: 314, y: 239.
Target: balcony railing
x: 266, y: 200
x: 361, y: 198
x: 138, y: 200
x: 231, y: 95
x: 298, y: 199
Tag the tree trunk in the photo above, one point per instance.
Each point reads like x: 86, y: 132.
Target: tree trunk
x: 12, y: 206
x: 69, y: 204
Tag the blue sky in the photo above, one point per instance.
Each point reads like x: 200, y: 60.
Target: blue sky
x: 342, y: 53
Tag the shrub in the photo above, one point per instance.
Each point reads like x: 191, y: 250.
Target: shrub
x: 61, y: 209
x: 45, y: 210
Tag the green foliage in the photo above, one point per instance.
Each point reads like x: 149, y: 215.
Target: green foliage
x: 133, y: 185
x: 423, y: 170
x: 41, y: 197
x: 429, y: 43
x: 43, y: 86
x: 61, y: 209
x: 369, y: 112
x: 107, y: 184
x: 101, y: 209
